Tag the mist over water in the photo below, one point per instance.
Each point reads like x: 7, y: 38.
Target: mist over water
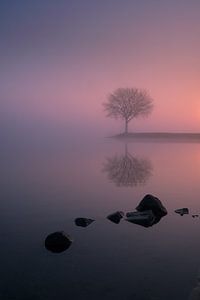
x: 60, y: 60
x: 48, y: 183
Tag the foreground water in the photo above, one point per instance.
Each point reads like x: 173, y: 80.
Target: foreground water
x: 45, y: 187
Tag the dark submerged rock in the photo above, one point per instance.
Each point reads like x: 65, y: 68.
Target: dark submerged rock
x: 195, y: 216
x: 149, y: 212
x: 116, y: 217
x: 83, y: 222
x: 145, y: 218
x: 57, y: 242
x: 182, y: 211
x: 150, y: 202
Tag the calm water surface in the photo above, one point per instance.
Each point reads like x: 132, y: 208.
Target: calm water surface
x: 45, y: 187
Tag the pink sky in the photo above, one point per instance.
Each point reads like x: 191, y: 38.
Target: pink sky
x: 67, y: 72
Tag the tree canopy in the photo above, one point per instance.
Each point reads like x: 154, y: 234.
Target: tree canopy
x: 128, y: 103
x: 128, y: 170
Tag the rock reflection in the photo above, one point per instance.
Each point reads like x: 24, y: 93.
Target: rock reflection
x: 128, y: 170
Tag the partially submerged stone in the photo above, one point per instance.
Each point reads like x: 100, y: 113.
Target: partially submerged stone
x: 116, y: 217
x: 83, y: 222
x: 182, y: 211
x: 145, y: 218
x: 149, y: 212
x: 57, y: 242
x: 195, y: 216
x: 150, y: 202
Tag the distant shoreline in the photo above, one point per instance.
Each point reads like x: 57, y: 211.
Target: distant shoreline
x: 175, y: 136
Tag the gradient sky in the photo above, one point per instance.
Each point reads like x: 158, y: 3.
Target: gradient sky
x: 60, y: 59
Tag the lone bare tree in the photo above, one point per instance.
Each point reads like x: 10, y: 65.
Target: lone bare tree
x: 128, y: 103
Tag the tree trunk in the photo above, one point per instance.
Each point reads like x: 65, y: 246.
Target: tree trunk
x: 126, y: 150
x: 126, y: 126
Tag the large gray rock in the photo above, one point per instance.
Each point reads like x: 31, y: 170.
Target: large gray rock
x: 150, y: 202
x: 57, y: 242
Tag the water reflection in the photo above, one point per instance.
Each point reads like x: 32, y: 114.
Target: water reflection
x: 195, y: 293
x: 127, y: 170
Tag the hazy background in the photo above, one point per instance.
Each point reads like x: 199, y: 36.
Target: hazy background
x: 58, y: 62
x: 60, y: 59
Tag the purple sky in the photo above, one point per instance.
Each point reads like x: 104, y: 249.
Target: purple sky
x: 60, y: 60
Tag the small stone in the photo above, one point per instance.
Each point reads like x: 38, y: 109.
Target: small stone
x: 57, y: 242
x: 83, y: 222
x: 182, y: 211
x: 116, y: 217
x: 195, y: 216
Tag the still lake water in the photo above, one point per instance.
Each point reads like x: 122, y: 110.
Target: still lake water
x: 44, y: 188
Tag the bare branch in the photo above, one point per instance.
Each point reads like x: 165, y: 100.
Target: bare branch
x: 127, y: 170
x: 128, y: 103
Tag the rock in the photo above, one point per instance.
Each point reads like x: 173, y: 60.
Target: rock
x: 145, y: 218
x: 149, y: 212
x: 116, y: 217
x: 182, y: 211
x: 149, y: 202
x: 83, y: 222
x: 195, y: 216
x: 58, y: 242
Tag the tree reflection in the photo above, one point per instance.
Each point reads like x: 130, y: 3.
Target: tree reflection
x: 127, y: 170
